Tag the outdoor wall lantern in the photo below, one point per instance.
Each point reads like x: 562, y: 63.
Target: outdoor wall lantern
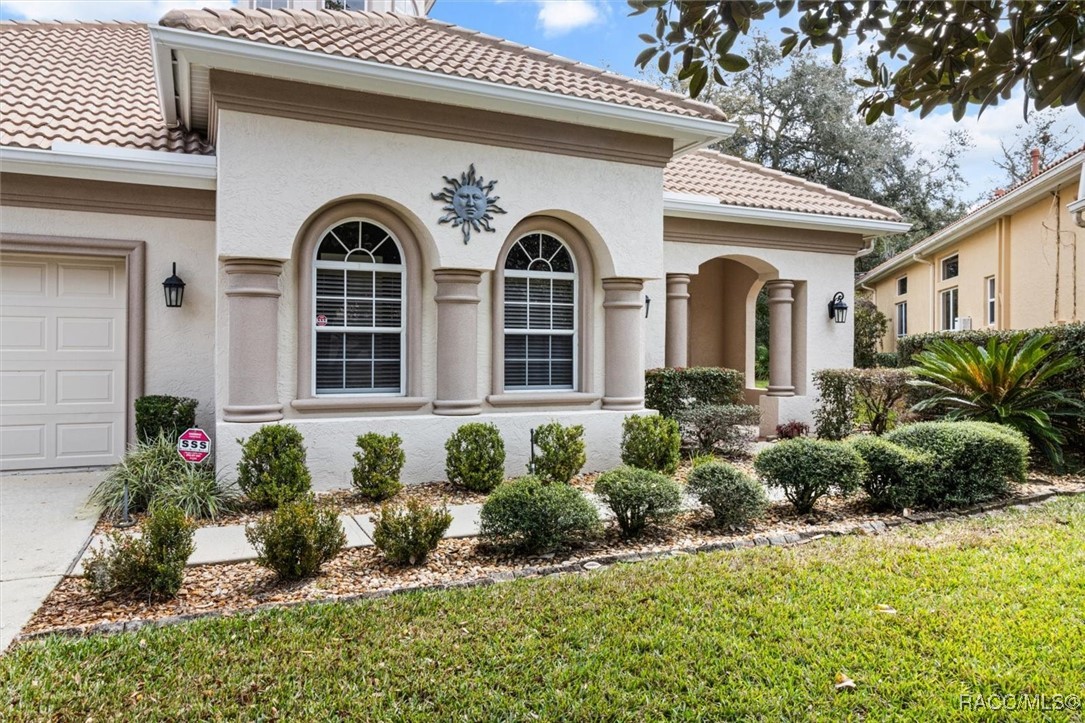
x: 838, y: 310
x: 174, y: 288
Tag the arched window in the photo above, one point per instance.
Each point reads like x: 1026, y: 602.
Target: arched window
x: 541, y: 316
x: 359, y: 280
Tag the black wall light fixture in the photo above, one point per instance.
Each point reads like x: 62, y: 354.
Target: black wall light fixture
x: 838, y: 310
x: 174, y: 289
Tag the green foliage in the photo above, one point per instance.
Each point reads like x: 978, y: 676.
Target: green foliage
x: 638, y: 497
x: 702, y: 459
x: 734, y: 497
x: 896, y: 477
x: 834, y: 415
x: 792, y: 429
x: 1039, y: 132
x: 407, y: 535
x: 723, y: 428
x: 847, y: 397
x: 870, y: 326
x: 561, y: 452
x: 971, y: 461
x: 151, y: 566
x: 296, y: 539
x: 886, y: 360
x: 527, y: 515
x: 671, y: 390
x: 148, y: 468
x: 199, y: 493
x: 272, y: 469
x: 651, y: 442
x: 808, y: 469
x: 377, y: 465
x: 162, y: 414
x: 1003, y: 382
x: 475, y: 457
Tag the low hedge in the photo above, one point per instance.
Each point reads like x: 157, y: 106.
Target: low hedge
x: 672, y: 390
x: 808, y: 469
x: 163, y: 414
x: 528, y: 515
x: 895, y: 476
x: 638, y: 497
x: 651, y: 442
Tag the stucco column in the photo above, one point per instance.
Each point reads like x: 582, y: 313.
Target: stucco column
x: 252, y: 297
x: 457, y: 342
x: 624, y: 368
x: 677, y: 349
x: 780, y: 303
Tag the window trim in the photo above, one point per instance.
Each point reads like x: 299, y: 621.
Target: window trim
x: 990, y: 307
x: 942, y: 267
x: 902, y: 306
x: 583, y: 391
x: 948, y: 325
x: 905, y: 280
x: 305, y: 400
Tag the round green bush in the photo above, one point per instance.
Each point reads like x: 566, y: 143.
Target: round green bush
x: 296, y: 539
x: 638, y: 497
x: 377, y: 465
x: 561, y: 452
x: 530, y: 516
x: 651, y: 442
x: 808, y: 469
x: 734, y: 497
x: 971, y: 461
x: 272, y: 469
x: 475, y: 457
x: 895, y: 476
x: 406, y: 535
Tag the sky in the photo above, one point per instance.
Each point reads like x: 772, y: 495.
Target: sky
x: 600, y: 33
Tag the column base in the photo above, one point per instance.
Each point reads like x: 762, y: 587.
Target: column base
x: 457, y: 407
x: 252, y: 413
x: 780, y: 391
x: 623, y: 404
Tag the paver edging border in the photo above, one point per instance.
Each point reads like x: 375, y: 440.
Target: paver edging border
x: 788, y: 539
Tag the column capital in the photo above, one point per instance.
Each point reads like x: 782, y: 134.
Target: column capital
x: 457, y: 286
x: 252, y: 277
x: 678, y: 286
x: 780, y: 291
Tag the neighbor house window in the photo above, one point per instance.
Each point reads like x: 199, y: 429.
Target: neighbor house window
x: 902, y: 319
x: 949, y: 308
x: 989, y: 286
x: 360, y: 306
x: 950, y: 267
x: 902, y: 286
x: 540, y: 310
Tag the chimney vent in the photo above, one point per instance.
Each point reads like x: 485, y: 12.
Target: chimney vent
x: 1035, y: 154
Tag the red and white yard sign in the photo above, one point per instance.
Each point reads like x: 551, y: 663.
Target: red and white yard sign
x: 194, y: 445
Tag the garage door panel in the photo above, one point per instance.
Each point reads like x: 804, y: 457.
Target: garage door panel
x: 22, y: 333
x: 90, y: 386
x: 84, y: 441
x: 24, y: 280
x: 23, y: 387
x: 76, y: 282
x: 23, y: 443
x: 86, y: 333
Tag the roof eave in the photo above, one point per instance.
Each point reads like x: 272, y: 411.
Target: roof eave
x: 680, y: 206
x: 120, y: 165
x: 246, y: 56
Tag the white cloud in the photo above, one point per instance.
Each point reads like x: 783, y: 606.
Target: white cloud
x: 557, y: 17
x: 144, y: 10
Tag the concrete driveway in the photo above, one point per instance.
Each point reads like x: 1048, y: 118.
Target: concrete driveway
x: 44, y: 523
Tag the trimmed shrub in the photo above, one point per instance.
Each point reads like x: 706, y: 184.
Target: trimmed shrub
x: 970, y: 461
x: 672, y: 390
x: 848, y: 398
x: 407, y: 535
x: 834, y: 413
x: 148, y: 468
x: 162, y: 414
x: 895, y: 476
x: 296, y: 539
x: 720, y: 428
x: 886, y: 360
x: 808, y: 469
x: 475, y: 457
x: 199, y: 494
x: 529, y: 516
x: 651, y: 442
x: 272, y: 469
x: 561, y: 452
x: 791, y: 429
x: 734, y: 497
x: 377, y: 465
x: 870, y: 325
x: 151, y: 566
x: 638, y: 497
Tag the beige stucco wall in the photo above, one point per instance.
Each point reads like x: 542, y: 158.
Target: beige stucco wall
x: 179, y: 343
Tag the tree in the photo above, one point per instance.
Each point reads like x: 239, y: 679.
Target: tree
x: 870, y: 327
x: 922, y: 55
x: 1046, y: 132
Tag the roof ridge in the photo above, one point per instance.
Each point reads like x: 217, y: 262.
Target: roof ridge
x: 31, y: 23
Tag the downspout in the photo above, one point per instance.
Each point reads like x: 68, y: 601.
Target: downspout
x: 934, y: 293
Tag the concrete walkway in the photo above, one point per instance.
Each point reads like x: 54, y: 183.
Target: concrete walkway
x: 45, y: 522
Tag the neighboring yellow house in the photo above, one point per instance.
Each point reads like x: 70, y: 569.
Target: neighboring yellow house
x: 1017, y: 262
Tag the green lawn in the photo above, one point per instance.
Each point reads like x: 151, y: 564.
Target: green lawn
x: 990, y: 605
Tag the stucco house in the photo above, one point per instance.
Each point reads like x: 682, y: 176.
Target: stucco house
x: 383, y: 222
x: 1012, y: 263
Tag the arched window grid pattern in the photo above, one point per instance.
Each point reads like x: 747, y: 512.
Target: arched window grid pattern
x: 359, y: 325
x: 540, y: 315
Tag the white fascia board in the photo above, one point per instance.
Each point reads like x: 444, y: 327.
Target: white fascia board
x: 162, y: 58
x: 1012, y: 202
x: 682, y: 205
x: 1076, y: 206
x: 119, y: 165
x: 245, y: 56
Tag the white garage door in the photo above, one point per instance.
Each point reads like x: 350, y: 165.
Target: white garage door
x: 62, y: 361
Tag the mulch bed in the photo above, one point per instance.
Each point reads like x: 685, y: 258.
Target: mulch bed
x: 236, y: 587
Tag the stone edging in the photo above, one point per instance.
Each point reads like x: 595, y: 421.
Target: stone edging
x: 783, y: 539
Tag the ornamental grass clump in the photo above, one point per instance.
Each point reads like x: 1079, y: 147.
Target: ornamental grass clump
x: 296, y: 539
x: 407, y: 535
x: 377, y: 465
x: 809, y: 469
x: 527, y: 515
x: 561, y: 454
x: 199, y: 494
x: 272, y: 469
x: 638, y: 497
x: 734, y: 497
x: 148, y: 468
x: 651, y: 442
x: 475, y: 457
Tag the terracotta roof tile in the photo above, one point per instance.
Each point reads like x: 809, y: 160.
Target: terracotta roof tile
x: 83, y: 82
x: 430, y: 45
x: 736, y: 182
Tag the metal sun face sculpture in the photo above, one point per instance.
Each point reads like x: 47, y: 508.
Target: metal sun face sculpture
x: 468, y: 203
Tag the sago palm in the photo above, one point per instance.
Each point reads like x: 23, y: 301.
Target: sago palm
x: 1004, y: 381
